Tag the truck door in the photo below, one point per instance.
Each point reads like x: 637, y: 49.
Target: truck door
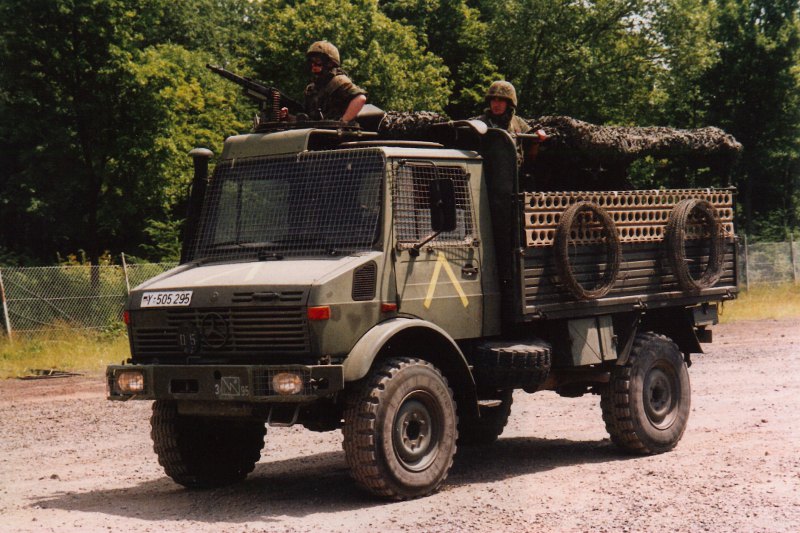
x: 439, y: 281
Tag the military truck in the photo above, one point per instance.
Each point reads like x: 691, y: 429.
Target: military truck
x: 401, y: 287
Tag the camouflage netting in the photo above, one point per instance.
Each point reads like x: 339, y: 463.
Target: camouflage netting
x: 579, y: 155
x: 588, y: 140
x: 582, y: 156
x: 409, y: 125
x: 628, y: 143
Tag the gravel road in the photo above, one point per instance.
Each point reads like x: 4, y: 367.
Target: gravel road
x: 71, y: 460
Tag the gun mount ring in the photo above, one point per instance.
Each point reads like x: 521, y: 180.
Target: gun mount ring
x: 585, y: 213
x: 676, y: 236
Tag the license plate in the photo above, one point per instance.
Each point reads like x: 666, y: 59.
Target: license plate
x: 166, y: 299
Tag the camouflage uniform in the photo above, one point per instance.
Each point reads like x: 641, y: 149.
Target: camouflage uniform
x: 508, y: 121
x: 329, y: 94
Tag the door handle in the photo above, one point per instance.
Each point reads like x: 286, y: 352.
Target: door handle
x: 469, y: 271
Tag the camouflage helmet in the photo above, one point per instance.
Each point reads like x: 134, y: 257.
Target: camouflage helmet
x: 502, y: 89
x: 326, y: 49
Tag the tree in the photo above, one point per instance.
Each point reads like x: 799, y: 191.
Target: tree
x: 176, y: 104
x: 94, y: 129
x: 383, y: 56
x: 63, y: 63
x: 754, y: 93
x: 589, y: 60
x: 455, y: 32
x: 222, y: 28
x: 684, y: 30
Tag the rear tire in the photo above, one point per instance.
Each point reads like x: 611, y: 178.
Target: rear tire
x: 202, y: 452
x: 400, y: 430
x: 647, y: 401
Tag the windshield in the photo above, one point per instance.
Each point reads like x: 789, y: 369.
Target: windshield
x: 323, y: 203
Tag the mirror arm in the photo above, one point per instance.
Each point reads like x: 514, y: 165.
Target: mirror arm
x: 414, y: 250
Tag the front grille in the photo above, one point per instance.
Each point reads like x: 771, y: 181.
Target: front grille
x: 267, y: 296
x: 220, y: 332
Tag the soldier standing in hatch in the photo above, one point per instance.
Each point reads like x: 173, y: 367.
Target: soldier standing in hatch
x: 331, y: 95
x: 501, y: 113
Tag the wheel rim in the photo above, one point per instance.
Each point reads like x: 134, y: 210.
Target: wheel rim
x: 661, y: 395
x: 416, y: 431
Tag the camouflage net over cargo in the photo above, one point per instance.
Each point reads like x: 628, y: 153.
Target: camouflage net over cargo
x: 622, y: 144
x: 628, y: 143
x: 409, y: 125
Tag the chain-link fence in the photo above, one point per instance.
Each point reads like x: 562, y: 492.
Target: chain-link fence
x: 37, y: 299
x: 768, y: 263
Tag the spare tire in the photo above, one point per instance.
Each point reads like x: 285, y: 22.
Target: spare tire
x: 676, y: 244
x: 563, y: 238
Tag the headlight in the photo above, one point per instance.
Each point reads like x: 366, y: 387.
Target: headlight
x: 287, y: 383
x: 130, y: 381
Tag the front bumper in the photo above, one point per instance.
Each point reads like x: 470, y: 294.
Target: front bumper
x: 235, y: 383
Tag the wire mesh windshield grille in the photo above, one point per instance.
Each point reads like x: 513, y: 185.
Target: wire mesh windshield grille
x: 310, y: 204
x: 411, y: 204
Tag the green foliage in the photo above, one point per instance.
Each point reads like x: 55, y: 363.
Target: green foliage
x: 100, y: 100
x: 165, y: 236
x: 687, y: 48
x: 453, y: 31
x: 590, y: 60
x: 95, y: 130
x: 754, y: 92
x: 381, y: 55
x: 222, y: 29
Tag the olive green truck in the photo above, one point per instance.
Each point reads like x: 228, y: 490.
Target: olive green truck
x: 401, y: 290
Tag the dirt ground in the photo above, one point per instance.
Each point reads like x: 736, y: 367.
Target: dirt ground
x: 71, y: 460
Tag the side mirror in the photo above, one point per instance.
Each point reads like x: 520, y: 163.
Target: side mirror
x: 443, y: 205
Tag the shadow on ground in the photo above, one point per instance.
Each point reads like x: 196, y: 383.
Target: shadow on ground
x: 319, y: 483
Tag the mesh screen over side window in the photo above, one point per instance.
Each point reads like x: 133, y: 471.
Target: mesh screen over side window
x: 411, y: 204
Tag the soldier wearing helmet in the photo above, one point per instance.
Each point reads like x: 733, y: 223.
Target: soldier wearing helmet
x: 501, y: 99
x: 331, y: 95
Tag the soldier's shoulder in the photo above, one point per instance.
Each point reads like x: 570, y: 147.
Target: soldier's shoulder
x: 520, y: 125
x: 342, y: 83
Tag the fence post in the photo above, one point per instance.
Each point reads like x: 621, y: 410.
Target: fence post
x: 125, y: 270
x: 792, y: 256
x: 746, y: 267
x: 6, y: 318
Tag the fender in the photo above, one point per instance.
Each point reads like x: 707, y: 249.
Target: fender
x: 361, y: 357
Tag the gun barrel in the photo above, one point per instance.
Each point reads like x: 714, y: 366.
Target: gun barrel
x: 255, y: 90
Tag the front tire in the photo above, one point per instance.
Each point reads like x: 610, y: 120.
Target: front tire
x: 203, y: 452
x: 400, y: 430
x: 647, y: 401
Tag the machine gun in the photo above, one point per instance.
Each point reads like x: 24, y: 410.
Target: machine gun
x: 270, y: 99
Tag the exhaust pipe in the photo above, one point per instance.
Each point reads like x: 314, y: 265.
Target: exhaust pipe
x: 200, y: 156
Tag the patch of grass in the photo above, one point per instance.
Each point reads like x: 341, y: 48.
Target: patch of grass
x: 69, y: 350
x: 764, y: 302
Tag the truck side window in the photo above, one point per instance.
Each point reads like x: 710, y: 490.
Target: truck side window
x: 411, y: 204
